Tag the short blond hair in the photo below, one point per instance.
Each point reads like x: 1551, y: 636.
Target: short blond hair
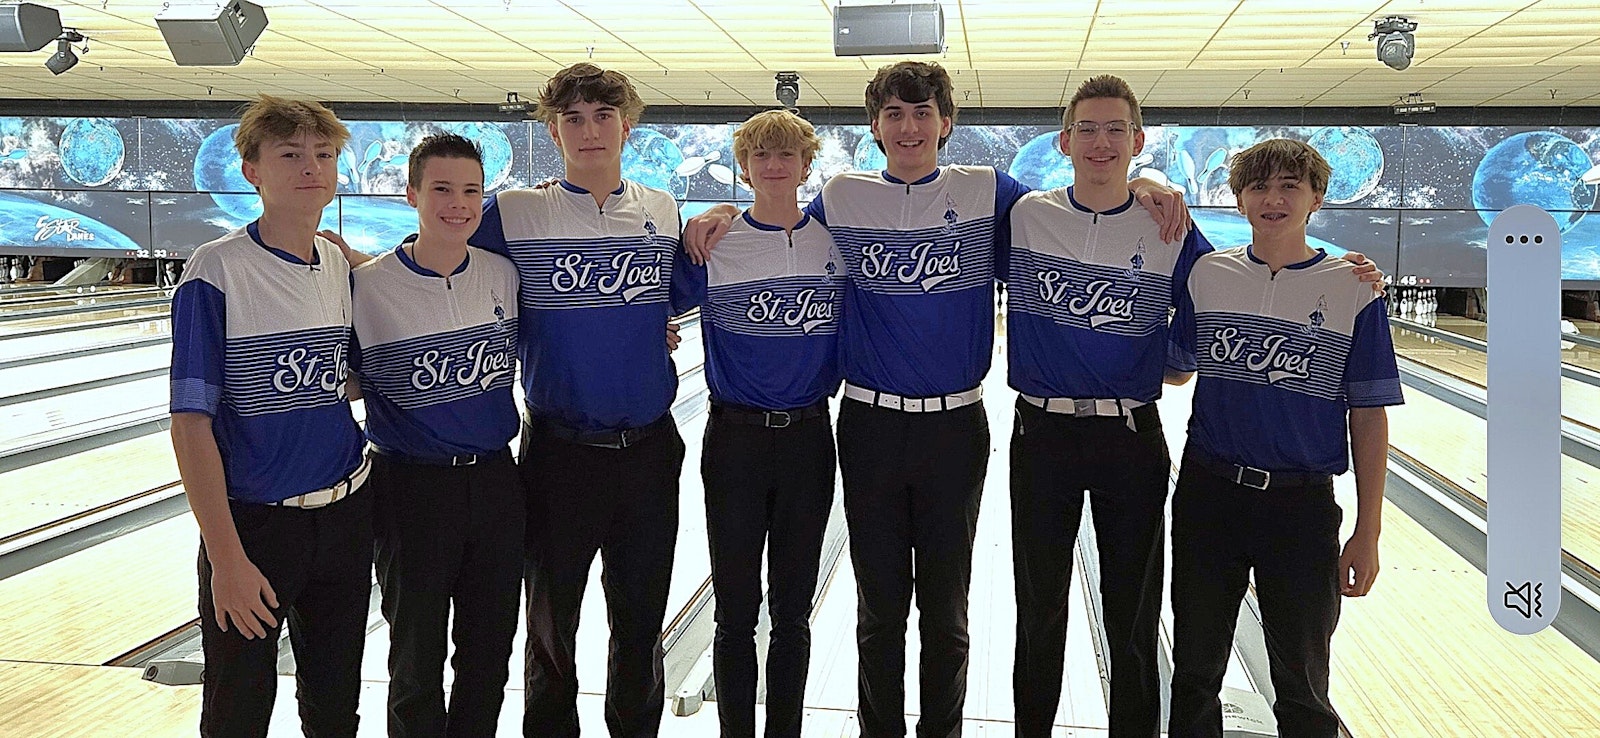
x: 775, y: 129
x: 268, y: 119
x: 589, y: 83
x: 1264, y: 160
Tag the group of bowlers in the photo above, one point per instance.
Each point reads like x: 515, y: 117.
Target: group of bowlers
x: 885, y: 283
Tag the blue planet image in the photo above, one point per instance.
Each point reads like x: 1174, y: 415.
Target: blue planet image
x: 1356, y: 159
x: 868, y: 157
x: 92, y: 151
x: 33, y: 223
x: 651, y: 159
x: 494, y: 144
x: 1537, y: 168
x: 1226, y: 229
x: 216, y: 170
x: 1040, y: 165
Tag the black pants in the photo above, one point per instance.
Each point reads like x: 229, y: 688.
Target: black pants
x: 912, y: 485
x: 1290, y: 536
x: 448, y: 535
x: 622, y: 503
x: 319, y: 563
x: 1054, y: 459
x: 766, y: 488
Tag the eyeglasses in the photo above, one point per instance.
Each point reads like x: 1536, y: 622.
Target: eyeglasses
x: 1115, y: 130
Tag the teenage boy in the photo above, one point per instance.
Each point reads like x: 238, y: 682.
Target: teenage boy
x: 770, y: 297
x: 919, y: 244
x: 601, y: 454
x: 270, y: 456
x: 1296, y: 366
x: 437, y: 333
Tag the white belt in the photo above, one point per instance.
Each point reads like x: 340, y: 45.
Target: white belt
x: 325, y: 497
x: 913, y: 404
x: 1083, y: 408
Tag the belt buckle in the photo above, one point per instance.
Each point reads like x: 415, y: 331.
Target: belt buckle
x: 913, y: 404
x: 1081, y: 408
x: 464, y: 460
x: 1239, y: 477
x: 773, y: 416
x: 889, y: 401
x: 627, y: 437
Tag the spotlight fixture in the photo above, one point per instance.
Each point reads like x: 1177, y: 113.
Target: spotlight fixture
x: 64, y: 58
x: 1396, y: 45
x: 513, y: 104
x: 788, y: 90
x: 1413, y: 104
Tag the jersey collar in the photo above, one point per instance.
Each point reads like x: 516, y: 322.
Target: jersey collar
x: 1321, y: 254
x: 405, y: 259
x: 576, y: 190
x: 758, y: 225
x: 896, y: 180
x: 1080, y: 207
x: 254, y: 229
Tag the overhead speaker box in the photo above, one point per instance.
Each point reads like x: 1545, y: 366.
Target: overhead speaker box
x: 211, y: 34
x: 904, y: 28
x: 28, y: 27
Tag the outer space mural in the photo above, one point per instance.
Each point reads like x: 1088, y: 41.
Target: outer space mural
x: 1416, y: 199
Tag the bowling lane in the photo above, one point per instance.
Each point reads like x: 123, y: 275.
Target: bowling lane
x: 92, y: 315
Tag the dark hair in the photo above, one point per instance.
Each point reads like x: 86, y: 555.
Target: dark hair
x: 589, y: 83
x: 1104, y: 86
x: 1279, y: 156
x: 438, y: 145
x: 912, y: 82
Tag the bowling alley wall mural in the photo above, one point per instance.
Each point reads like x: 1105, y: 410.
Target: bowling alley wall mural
x: 1417, y: 199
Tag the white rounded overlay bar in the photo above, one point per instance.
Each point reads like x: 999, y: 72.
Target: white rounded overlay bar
x: 1524, y: 586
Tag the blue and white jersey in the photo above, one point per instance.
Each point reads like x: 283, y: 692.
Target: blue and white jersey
x: 921, y: 261
x: 1089, y: 296
x: 1281, y: 359
x: 770, y: 308
x: 593, y: 290
x: 437, y: 355
x: 260, y: 342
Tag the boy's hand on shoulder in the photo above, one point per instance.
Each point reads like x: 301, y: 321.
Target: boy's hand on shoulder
x: 1358, y: 565
x: 241, y: 594
x: 351, y: 256
x: 703, y: 231
x: 1367, y: 271
x: 1166, y: 205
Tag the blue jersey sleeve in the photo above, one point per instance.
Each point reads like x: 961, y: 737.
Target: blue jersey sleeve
x: 688, y: 283
x: 199, y: 340
x: 1371, y: 378
x: 1181, y: 339
x: 1007, y: 191
x: 1194, y: 246
x: 814, y: 209
x: 491, y: 233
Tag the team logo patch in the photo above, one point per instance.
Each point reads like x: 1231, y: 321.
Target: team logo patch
x: 950, y: 214
x: 1136, y: 264
x: 1315, y: 319
x: 649, y: 229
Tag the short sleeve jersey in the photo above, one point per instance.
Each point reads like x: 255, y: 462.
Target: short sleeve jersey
x: 1281, y: 359
x: 771, y: 300
x: 1090, y: 294
x: 921, y: 261
x: 593, y: 299
x: 260, y: 342
x: 437, y: 354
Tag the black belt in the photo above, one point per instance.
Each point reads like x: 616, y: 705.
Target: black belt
x: 461, y: 460
x: 768, y: 418
x: 606, y: 438
x: 1249, y: 476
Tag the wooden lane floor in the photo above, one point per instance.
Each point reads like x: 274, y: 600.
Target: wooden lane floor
x: 13, y: 327
x: 34, y: 302
x: 1455, y: 444
x: 99, y: 603
x: 1580, y: 401
x: 1421, y: 656
x: 45, y: 700
x: 12, y: 293
x: 38, y: 495
x: 49, y: 343
x: 1579, y: 355
x: 51, y: 419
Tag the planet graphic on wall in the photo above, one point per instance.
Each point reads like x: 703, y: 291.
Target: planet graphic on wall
x: 216, y: 170
x: 92, y: 151
x: 1356, y: 159
x: 25, y: 222
x: 1537, y: 168
x: 651, y: 159
x: 868, y: 157
x: 495, y: 146
x: 1040, y: 165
